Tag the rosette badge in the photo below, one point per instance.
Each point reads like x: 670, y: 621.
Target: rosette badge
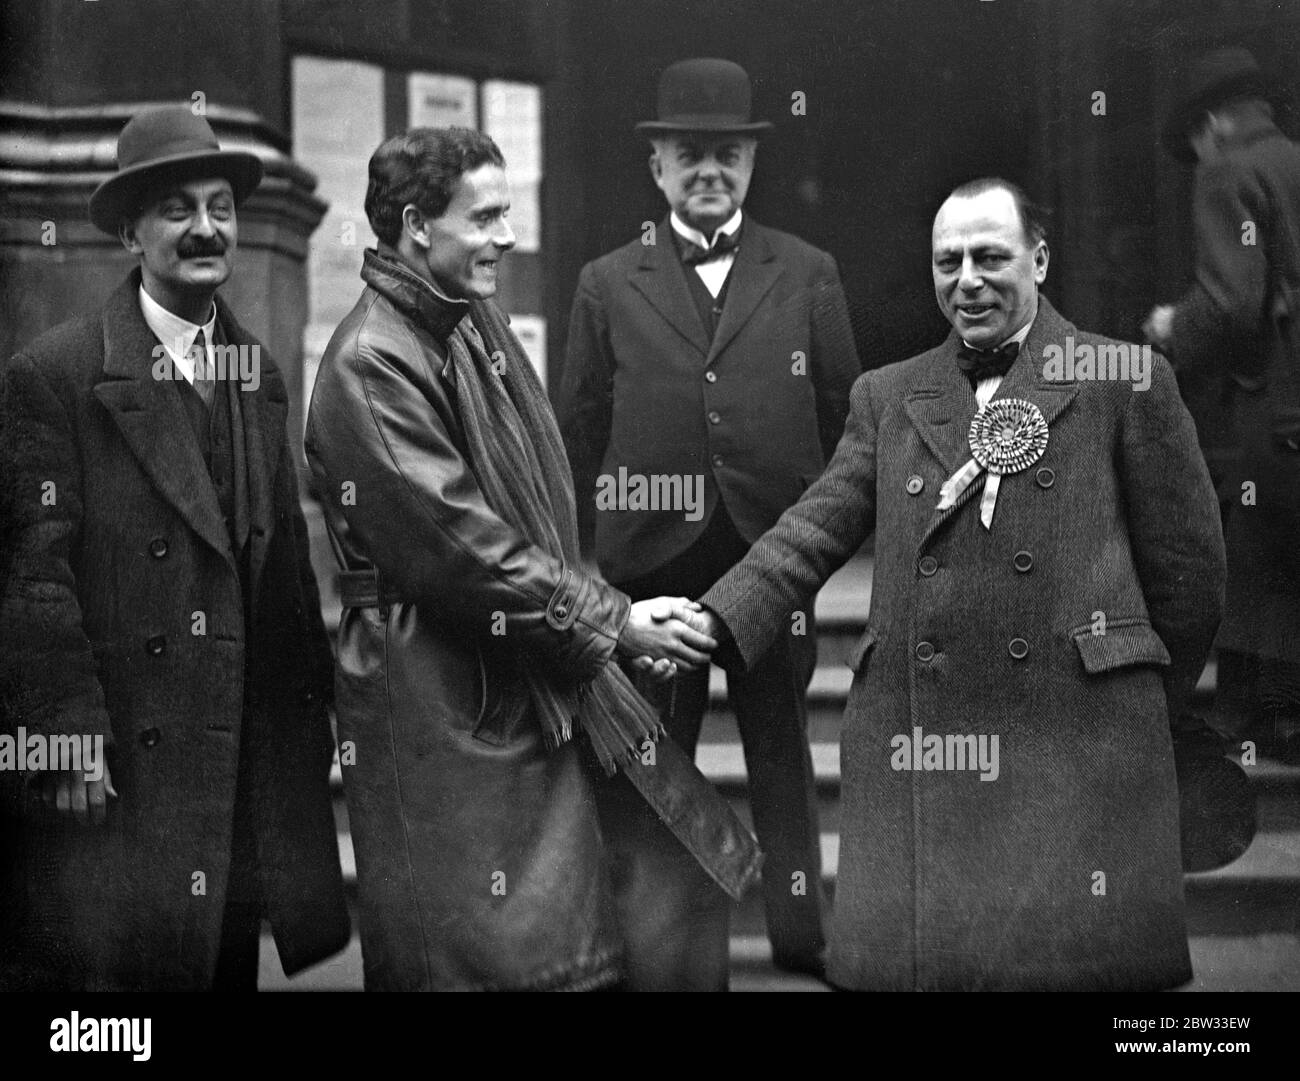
x: 1006, y: 436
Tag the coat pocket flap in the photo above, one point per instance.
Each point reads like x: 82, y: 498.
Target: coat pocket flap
x: 861, y: 648
x: 1136, y: 643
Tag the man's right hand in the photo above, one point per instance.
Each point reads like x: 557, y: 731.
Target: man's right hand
x: 71, y: 792
x: 667, y: 629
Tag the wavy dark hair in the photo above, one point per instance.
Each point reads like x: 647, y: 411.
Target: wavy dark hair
x: 421, y: 167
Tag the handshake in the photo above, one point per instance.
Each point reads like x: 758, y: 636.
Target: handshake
x: 668, y: 633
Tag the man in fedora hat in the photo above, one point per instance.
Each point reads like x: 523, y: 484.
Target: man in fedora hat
x: 161, y: 608
x: 715, y: 355
x: 1240, y: 322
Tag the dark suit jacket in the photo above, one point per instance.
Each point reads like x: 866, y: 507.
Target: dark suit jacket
x: 1068, y: 631
x: 99, y: 620
x: 1240, y: 321
x: 756, y: 413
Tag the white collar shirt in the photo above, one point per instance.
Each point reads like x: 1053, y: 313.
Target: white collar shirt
x: 177, y: 335
x: 713, y: 273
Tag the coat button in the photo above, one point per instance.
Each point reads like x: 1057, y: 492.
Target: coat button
x: 156, y: 644
x: 1018, y: 648
x: 915, y: 483
x: 710, y: 377
x: 928, y: 565
x: 561, y: 611
x: 717, y: 460
x: 158, y: 547
x: 1023, y: 562
x: 715, y: 417
x: 1045, y: 477
x: 150, y: 737
x: 924, y: 651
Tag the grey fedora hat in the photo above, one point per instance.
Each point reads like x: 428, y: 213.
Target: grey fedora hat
x: 168, y: 143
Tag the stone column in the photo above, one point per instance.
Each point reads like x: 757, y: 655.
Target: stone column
x: 72, y: 72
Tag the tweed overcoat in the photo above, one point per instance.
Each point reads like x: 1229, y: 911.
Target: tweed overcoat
x: 1068, y: 630
x: 123, y: 617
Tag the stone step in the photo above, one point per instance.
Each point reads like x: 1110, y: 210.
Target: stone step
x: 1277, y: 787
x: 1248, y: 962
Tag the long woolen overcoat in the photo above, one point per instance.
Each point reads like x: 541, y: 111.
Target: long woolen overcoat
x: 1064, y: 872
x: 116, y: 546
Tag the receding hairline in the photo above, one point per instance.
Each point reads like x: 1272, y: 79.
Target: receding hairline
x: 1028, y: 214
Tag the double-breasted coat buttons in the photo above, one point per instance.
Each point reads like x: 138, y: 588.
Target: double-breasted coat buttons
x: 158, y: 547
x: 156, y: 644
x: 1018, y: 648
x: 928, y: 565
x: 924, y: 651
x: 1045, y: 477
x: 1023, y: 562
x: 915, y: 483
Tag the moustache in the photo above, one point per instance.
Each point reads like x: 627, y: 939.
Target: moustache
x: 198, y: 249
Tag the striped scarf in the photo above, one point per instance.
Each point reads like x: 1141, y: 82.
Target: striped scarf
x: 518, y: 458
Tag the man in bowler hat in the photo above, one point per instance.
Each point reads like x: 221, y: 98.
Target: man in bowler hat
x: 161, y: 605
x: 1239, y: 321
x: 715, y: 355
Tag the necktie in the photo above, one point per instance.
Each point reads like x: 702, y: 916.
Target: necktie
x: 986, y: 363
x: 204, y: 376
x: 723, y: 245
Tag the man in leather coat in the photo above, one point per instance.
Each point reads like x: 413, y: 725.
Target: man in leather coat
x: 475, y: 689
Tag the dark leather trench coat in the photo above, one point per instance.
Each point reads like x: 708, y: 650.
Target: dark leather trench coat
x: 478, y: 848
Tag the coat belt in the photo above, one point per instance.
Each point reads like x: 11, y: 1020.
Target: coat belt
x: 361, y: 589
x: 680, y: 795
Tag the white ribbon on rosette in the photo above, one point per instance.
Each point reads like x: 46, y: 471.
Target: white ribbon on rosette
x: 1006, y: 436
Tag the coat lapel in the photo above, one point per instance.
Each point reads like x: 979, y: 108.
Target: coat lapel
x: 942, y: 407
x: 752, y: 276
x: 1025, y: 379
x: 149, y: 414
x: 264, y: 413
x: 660, y: 280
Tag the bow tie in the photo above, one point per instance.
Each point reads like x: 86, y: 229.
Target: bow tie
x: 986, y: 363
x: 725, y: 244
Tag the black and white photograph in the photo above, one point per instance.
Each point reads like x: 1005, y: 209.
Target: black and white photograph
x: 650, y: 495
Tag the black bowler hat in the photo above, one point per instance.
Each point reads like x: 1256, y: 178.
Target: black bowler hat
x: 1216, y: 77
x: 169, y: 144
x: 705, y: 95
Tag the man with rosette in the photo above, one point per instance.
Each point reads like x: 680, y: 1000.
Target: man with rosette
x: 1049, y: 574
